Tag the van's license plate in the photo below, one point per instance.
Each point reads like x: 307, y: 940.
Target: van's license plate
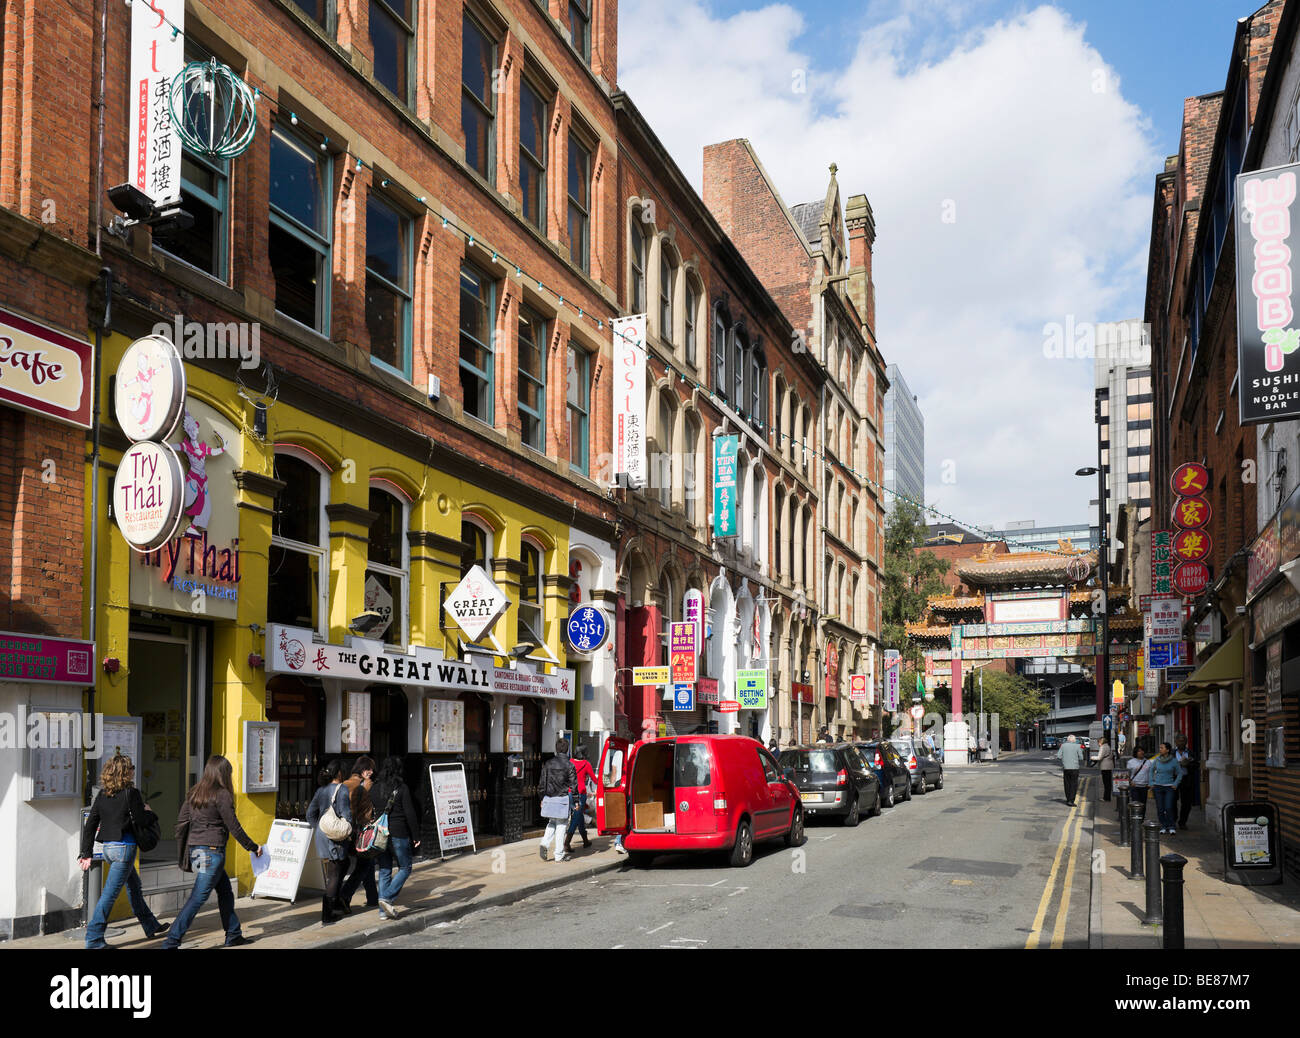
x: 810, y: 798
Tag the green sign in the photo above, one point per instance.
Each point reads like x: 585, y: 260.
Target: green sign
x: 751, y: 689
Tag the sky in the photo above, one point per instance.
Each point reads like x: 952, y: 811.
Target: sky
x: 1009, y: 151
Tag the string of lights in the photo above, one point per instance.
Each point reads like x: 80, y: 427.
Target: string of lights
x: 449, y: 223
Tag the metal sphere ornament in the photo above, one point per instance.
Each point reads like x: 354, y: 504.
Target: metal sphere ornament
x: 213, y: 110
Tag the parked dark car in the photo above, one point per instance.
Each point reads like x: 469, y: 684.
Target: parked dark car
x: 926, y: 771
x: 891, y: 771
x: 832, y: 780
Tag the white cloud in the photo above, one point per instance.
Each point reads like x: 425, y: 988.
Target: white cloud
x: 1050, y: 178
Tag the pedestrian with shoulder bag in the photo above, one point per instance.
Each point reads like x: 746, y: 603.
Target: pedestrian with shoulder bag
x: 558, y: 780
x: 397, y: 830
x: 331, y: 814
x: 124, y: 823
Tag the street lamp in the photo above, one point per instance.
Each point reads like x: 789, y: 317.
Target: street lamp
x: 1103, y: 563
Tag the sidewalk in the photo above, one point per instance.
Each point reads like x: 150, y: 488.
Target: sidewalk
x: 1216, y: 913
x: 436, y: 892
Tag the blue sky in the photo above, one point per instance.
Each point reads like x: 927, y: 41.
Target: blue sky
x: 1009, y: 151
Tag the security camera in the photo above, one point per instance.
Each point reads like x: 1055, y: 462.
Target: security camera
x: 366, y: 622
x: 132, y: 201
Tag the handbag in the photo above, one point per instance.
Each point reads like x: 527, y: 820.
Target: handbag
x: 183, y: 846
x: 373, y: 839
x: 148, y: 834
x: 334, y: 826
x: 555, y: 808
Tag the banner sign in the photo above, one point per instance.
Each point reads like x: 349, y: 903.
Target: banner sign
x: 1192, y: 545
x: 44, y: 371
x: 1166, y: 619
x: 751, y: 689
x: 157, y: 57
x: 287, y: 847
x: 1266, y: 337
x: 724, y: 485
x: 1162, y: 562
x: 893, y: 669
x: 36, y: 658
x: 629, y: 398
x: 451, y: 807
x: 681, y: 652
x: 693, y: 613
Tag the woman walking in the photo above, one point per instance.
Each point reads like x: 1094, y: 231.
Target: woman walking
x: 1139, y: 769
x: 1166, y: 773
x: 578, y: 799
x: 392, y: 797
x: 1106, y: 762
x: 209, y: 809
x: 333, y: 853
x: 362, y: 872
x: 117, y: 808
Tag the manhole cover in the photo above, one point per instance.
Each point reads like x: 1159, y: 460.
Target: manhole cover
x: 965, y: 866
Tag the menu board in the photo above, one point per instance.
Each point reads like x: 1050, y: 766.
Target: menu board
x: 261, y: 757
x: 288, y: 845
x: 444, y: 727
x: 56, y: 768
x: 1250, y: 842
x: 451, y: 806
x: 356, y: 721
x: 121, y: 735
x: 514, y: 729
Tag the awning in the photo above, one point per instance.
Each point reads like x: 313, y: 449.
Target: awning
x: 1223, y: 668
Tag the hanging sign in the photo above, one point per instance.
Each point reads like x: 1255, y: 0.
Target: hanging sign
x: 724, y: 485
x: 683, y: 697
x: 1166, y: 619
x: 1191, y: 545
x: 857, y: 686
x: 148, y: 495
x: 44, y: 371
x: 587, y: 629
x: 629, y: 398
x: 1191, y: 513
x: 1190, y: 479
x: 1191, y: 578
x: 36, y: 658
x: 681, y: 652
x: 1162, y: 562
x: 893, y: 662
x: 1266, y: 334
x: 475, y: 604
x: 751, y: 688
x: 287, y: 846
x: 157, y: 57
x: 651, y: 675
x: 149, y: 389
x: 451, y: 807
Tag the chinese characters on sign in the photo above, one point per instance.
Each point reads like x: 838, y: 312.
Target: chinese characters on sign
x: 681, y: 652
x: 587, y: 629
x: 751, y: 689
x: 157, y: 57
x: 1162, y: 557
x: 724, y: 485
x: 629, y: 398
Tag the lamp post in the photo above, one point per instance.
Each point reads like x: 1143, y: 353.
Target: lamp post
x: 1103, y: 565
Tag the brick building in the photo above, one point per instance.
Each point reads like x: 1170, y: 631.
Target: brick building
x: 815, y: 259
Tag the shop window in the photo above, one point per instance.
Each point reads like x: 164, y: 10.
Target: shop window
x: 388, y: 284
x: 532, y: 379
x: 532, y: 154
x: 579, y: 204
x: 205, y: 195
x: 532, y: 625
x: 477, y: 362
x: 388, y: 564
x: 478, y: 101
x: 392, y: 35
x: 299, y: 232
x: 580, y: 28
x: 578, y: 396
x: 298, y: 571
x: 476, y: 546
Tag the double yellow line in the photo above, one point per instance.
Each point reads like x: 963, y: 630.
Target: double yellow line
x: 1075, y: 818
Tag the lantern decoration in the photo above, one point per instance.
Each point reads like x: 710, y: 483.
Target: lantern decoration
x: 213, y: 110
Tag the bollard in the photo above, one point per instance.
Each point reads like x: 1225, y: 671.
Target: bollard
x: 1173, y: 881
x: 1135, y: 841
x: 1121, y: 800
x: 1151, y: 838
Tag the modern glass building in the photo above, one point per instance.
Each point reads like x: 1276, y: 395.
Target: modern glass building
x: 904, y: 438
x: 1124, y: 412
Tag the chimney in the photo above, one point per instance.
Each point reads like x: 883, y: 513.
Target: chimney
x: 862, y: 238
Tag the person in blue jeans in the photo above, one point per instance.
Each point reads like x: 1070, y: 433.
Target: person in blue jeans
x: 209, y: 809
x: 111, y: 818
x: 578, y: 799
x: 1166, y: 773
x: 392, y: 797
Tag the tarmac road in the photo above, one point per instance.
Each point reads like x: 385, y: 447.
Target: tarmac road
x: 993, y: 860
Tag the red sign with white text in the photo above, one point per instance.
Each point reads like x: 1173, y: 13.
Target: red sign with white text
x: 1191, y: 578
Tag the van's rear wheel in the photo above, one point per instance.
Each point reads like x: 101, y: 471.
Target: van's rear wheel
x: 794, y: 838
x: 640, y: 859
x: 743, y: 852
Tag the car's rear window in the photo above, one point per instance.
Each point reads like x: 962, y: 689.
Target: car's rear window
x: 820, y: 761
x: 692, y: 764
x: 904, y: 746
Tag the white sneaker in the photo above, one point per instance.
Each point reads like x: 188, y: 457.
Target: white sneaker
x: 619, y: 849
x: 387, y: 906
x: 559, y: 858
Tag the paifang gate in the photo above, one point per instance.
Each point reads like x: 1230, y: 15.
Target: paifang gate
x: 1033, y: 605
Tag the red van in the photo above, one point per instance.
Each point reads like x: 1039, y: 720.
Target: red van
x: 695, y: 793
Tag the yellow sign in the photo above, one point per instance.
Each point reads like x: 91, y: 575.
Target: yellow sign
x: 1117, y: 692
x: 650, y: 675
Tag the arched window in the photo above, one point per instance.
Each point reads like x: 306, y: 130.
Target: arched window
x: 667, y: 288
x: 664, y: 457
x: 476, y: 546
x: 720, y: 322
x: 739, y: 365
x: 779, y: 511
x: 532, y: 624
x: 691, y: 316
x: 637, y: 247
x: 828, y: 587
x: 388, y: 564
x: 298, y: 567
x: 758, y: 507
x: 692, y: 484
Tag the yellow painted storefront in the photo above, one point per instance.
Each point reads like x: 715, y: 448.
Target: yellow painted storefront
x: 437, y: 502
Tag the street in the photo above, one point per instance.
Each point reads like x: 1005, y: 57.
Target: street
x: 982, y: 863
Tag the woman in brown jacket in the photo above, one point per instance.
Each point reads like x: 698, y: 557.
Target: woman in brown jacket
x: 210, y: 811
x: 362, y: 872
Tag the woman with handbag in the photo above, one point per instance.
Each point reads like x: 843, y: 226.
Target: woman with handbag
x: 118, y: 814
x: 398, y: 826
x: 586, y: 778
x: 209, y: 809
x: 331, y: 813
x: 362, y: 871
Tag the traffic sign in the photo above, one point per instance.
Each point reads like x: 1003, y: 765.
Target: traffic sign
x: 918, y: 712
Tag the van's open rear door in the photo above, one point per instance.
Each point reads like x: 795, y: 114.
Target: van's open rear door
x: 611, y: 797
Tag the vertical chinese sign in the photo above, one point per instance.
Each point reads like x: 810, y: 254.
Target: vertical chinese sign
x: 681, y: 652
x: 1162, y: 555
x: 724, y: 485
x: 629, y: 398
x: 157, y: 57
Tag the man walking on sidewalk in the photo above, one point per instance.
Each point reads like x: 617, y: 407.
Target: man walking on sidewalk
x: 1071, y: 756
x: 1189, y: 786
x: 558, y: 780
